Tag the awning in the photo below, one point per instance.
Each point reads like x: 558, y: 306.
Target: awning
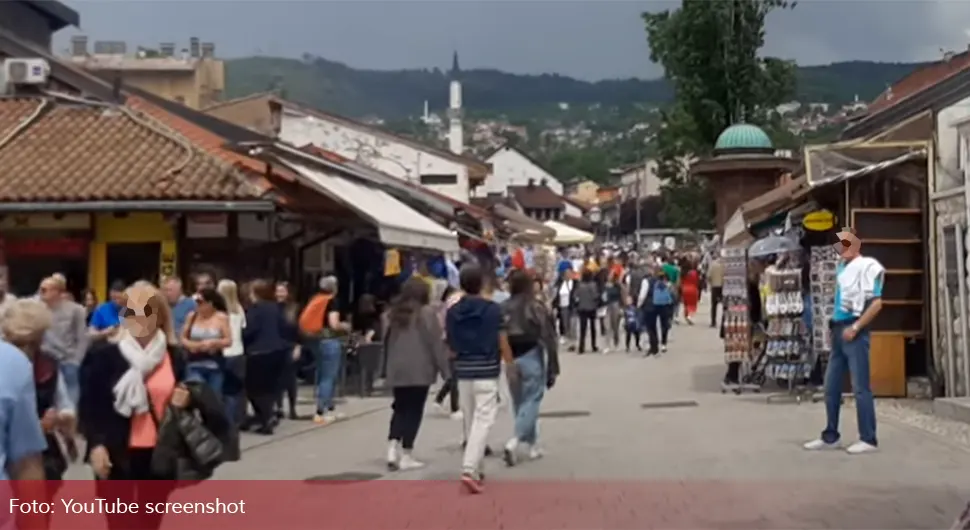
x: 397, y: 224
x: 567, y: 235
x: 837, y: 163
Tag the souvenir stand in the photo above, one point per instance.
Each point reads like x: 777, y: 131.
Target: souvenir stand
x: 737, y: 329
x: 788, y: 356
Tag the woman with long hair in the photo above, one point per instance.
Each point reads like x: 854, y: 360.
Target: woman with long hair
x: 234, y: 367
x: 127, y: 384
x: 415, y: 356
x: 89, y: 300
x: 206, y: 334
x: 690, y: 289
x: 268, y: 339
x: 288, y: 382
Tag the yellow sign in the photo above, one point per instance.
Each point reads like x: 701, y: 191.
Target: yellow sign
x: 819, y: 221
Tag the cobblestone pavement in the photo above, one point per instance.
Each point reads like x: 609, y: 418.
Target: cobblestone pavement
x: 716, y: 461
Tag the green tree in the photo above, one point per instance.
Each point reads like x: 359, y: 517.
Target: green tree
x: 710, y: 54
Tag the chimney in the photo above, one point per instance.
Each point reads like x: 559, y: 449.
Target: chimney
x: 185, y: 54
x: 532, y: 183
x: 194, y: 50
x: 543, y: 182
x: 79, y: 46
x: 456, y: 135
x: 102, y: 47
x: 208, y: 50
x: 166, y: 49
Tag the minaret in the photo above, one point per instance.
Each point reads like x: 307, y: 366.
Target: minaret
x: 456, y: 136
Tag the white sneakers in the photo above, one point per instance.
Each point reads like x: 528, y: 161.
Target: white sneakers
x: 857, y: 448
x: 457, y: 415
x: 510, y: 453
x: 400, y: 459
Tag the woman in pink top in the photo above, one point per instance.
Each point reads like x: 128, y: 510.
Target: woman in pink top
x: 126, y: 385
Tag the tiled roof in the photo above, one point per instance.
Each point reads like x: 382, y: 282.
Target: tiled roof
x: 281, y: 182
x: 209, y: 142
x: 535, y: 197
x: 918, y: 81
x: 51, y: 150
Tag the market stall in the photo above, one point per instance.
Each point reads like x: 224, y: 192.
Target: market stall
x: 567, y: 235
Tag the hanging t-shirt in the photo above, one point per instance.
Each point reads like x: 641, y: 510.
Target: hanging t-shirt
x: 518, y: 259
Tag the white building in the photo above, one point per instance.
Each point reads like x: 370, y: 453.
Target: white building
x: 441, y: 170
x: 638, y: 180
x: 512, y: 167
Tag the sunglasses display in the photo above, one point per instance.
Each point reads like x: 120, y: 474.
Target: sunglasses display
x: 786, y: 351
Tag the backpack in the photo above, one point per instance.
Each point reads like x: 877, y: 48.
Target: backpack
x: 522, y: 320
x: 312, y: 319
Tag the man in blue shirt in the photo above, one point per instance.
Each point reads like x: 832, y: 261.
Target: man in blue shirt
x: 107, y: 316
x: 858, y: 292
x: 181, y: 305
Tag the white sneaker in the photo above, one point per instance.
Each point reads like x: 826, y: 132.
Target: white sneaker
x: 393, y: 456
x: 663, y: 348
x: 820, y: 444
x: 408, y: 462
x: 440, y: 409
x: 861, y: 447
x: 457, y: 415
x: 510, y: 452
x: 536, y: 453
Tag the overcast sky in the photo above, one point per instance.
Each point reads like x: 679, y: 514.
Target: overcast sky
x: 590, y: 39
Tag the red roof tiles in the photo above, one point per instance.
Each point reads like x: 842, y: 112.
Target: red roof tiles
x: 52, y: 150
x: 918, y: 81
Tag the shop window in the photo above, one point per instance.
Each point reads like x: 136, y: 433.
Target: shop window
x: 438, y: 180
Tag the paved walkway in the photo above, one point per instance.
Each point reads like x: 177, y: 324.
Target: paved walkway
x: 728, y: 461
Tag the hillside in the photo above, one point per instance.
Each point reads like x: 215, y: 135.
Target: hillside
x: 339, y: 88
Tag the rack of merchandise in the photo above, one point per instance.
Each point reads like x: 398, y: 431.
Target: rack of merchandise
x: 822, y: 262
x: 736, y: 323
x: 787, y: 352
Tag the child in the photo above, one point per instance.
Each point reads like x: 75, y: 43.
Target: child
x: 631, y: 317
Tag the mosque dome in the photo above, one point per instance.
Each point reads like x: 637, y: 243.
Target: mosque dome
x: 743, y: 137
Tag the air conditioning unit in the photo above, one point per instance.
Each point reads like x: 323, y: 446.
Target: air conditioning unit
x: 26, y: 71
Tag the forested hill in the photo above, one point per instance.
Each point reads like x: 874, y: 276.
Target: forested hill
x: 339, y: 88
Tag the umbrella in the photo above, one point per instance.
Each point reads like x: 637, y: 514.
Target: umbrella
x: 772, y: 245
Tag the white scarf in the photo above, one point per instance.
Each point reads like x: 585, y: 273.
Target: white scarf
x: 131, y: 396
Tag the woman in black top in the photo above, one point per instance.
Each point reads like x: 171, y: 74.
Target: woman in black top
x: 288, y: 382
x: 268, y: 338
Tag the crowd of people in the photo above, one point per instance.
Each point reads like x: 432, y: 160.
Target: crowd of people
x: 614, y: 292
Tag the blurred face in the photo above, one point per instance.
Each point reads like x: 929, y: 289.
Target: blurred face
x: 49, y: 292
x: 89, y: 300
x: 118, y: 297
x: 140, y: 312
x: 203, y: 306
x: 172, y: 291
x: 282, y: 293
x: 204, y: 281
x: 849, y: 246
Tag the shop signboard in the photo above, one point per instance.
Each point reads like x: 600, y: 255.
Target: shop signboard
x: 819, y: 221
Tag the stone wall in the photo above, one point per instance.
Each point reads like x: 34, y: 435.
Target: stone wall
x: 949, y: 212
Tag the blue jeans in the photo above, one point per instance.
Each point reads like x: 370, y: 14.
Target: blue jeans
x: 327, y: 355
x: 71, y: 372
x: 528, y: 393
x: 212, y: 376
x: 854, y: 357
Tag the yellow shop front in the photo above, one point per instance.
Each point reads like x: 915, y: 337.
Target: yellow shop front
x: 131, y: 247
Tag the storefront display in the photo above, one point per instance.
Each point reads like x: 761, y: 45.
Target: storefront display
x: 786, y: 349
x: 737, y: 327
x: 822, y: 261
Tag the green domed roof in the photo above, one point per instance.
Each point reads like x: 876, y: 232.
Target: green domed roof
x: 742, y: 136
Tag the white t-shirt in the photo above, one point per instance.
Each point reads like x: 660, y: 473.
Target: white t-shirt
x: 237, y: 321
x: 565, y: 290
